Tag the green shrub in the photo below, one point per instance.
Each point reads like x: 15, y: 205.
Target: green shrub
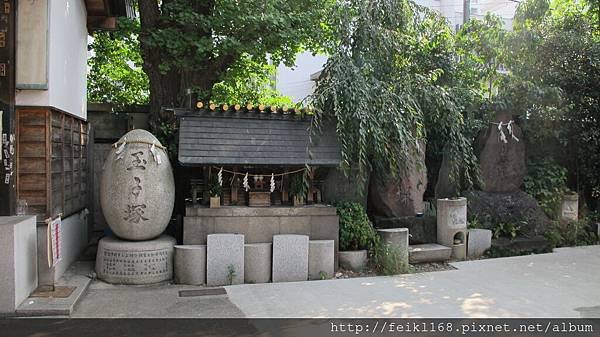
x: 546, y: 182
x: 575, y: 233
x: 356, y: 230
x: 475, y: 223
x: 506, y: 230
x: 386, y: 260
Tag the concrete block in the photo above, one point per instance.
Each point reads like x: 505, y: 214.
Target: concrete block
x: 74, y: 231
x: 320, y: 259
x: 397, y: 239
x: 190, y: 264
x: 224, y: 259
x: 257, y: 262
x: 290, y: 258
x: 18, y: 261
x: 135, y: 262
x: 261, y: 229
x: 429, y: 252
x: 478, y: 241
x: 295, y: 225
x: 355, y: 260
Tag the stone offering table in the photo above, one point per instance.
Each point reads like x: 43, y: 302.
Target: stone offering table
x: 135, y: 262
x: 290, y: 258
x: 18, y: 261
x: 259, y: 225
x: 190, y: 264
x: 224, y: 259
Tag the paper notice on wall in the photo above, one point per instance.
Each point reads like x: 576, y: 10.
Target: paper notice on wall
x: 54, y: 242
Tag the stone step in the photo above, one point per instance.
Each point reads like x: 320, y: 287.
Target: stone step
x: 77, y: 276
x: 429, y: 252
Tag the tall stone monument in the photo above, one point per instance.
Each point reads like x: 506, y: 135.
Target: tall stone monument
x: 402, y: 195
x: 502, y: 156
x: 137, y: 194
x: 502, y: 161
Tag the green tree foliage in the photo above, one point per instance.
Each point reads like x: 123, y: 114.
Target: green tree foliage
x: 547, y: 183
x: 115, y: 67
x: 555, y: 53
x: 388, y: 84
x: 192, y: 45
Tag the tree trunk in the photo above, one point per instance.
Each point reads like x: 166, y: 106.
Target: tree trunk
x: 170, y: 89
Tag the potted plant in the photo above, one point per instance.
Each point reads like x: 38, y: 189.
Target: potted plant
x: 356, y: 236
x: 298, y: 189
x: 216, y: 191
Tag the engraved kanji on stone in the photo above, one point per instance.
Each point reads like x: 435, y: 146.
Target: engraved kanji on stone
x: 138, y: 162
x: 137, y: 188
x: 135, y: 213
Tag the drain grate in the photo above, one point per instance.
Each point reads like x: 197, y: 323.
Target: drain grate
x: 202, y: 292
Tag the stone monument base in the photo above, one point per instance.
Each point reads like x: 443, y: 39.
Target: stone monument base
x: 135, y: 262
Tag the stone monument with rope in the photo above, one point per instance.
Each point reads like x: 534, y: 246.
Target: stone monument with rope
x: 137, y: 196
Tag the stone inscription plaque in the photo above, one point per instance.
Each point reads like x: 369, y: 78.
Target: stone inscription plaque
x: 143, y: 263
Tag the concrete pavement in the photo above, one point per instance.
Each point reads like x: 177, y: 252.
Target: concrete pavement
x: 105, y: 300
x: 561, y: 284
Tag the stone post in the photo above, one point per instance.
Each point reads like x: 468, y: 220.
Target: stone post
x: 452, y: 225
x: 397, y: 239
x: 290, y: 258
x: 224, y: 259
x: 569, y: 208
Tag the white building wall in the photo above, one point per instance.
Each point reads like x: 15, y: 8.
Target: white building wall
x: 67, y: 60
x: 295, y: 81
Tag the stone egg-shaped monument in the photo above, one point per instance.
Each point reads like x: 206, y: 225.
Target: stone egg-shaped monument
x: 137, y: 189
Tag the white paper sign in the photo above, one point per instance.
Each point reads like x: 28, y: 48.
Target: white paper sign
x: 54, y: 242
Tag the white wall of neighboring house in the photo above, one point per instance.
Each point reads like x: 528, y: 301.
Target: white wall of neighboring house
x: 296, y: 82
x: 66, y: 45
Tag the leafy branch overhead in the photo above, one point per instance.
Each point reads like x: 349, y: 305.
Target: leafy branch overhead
x: 192, y: 45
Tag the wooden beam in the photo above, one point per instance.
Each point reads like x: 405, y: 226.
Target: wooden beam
x: 101, y: 23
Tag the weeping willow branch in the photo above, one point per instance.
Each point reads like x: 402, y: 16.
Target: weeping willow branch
x: 379, y: 88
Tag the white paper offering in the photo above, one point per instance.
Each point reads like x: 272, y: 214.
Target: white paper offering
x: 54, y: 242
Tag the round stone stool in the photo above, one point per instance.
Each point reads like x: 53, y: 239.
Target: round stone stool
x: 257, y: 262
x: 135, y: 262
x: 190, y: 264
x: 321, y: 254
x: 397, y: 239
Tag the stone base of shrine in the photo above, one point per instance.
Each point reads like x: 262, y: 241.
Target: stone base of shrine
x: 319, y: 222
x: 135, y: 262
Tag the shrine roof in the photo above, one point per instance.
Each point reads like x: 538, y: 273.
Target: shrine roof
x: 252, y: 137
